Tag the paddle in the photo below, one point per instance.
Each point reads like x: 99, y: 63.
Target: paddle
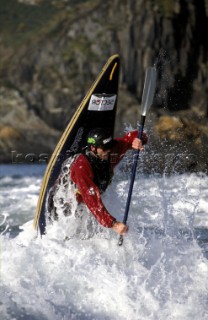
x: 147, y: 99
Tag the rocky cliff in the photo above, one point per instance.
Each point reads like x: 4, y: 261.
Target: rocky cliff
x: 51, y: 52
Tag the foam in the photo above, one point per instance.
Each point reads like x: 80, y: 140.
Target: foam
x: 158, y: 273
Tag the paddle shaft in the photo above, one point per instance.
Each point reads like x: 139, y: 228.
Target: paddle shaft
x: 134, y: 167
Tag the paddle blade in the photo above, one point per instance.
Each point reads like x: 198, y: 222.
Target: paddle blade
x: 149, y: 89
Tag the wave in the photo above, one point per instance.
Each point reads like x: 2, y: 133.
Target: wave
x: 160, y: 272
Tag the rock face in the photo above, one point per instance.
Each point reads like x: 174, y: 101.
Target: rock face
x: 49, y: 68
x: 181, y: 142
x: 24, y: 137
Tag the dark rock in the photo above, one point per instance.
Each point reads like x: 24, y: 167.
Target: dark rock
x: 23, y: 135
x: 46, y: 71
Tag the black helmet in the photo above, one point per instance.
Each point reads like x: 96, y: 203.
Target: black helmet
x: 100, y: 138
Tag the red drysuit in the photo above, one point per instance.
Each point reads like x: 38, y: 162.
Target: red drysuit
x: 82, y: 175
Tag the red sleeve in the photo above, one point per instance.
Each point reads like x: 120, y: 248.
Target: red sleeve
x: 124, y: 144
x: 82, y: 176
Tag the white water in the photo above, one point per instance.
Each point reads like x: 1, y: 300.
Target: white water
x: 160, y: 272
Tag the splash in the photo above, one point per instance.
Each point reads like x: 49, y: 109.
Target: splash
x: 160, y: 272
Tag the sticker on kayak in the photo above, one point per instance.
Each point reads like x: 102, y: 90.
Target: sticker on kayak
x: 102, y: 102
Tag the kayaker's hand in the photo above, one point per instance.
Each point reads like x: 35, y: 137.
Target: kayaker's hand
x: 137, y: 144
x: 120, y: 228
